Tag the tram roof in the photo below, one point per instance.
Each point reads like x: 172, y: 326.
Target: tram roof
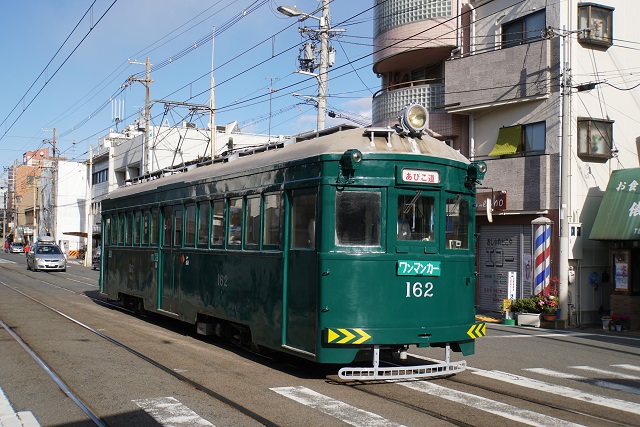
x: 367, y: 140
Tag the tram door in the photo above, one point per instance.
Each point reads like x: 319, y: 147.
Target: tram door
x: 302, y: 280
x: 171, y: 244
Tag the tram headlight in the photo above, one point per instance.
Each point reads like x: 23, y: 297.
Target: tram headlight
x: 350, y: 160
x: 413, y: 119
x: 477, y: 170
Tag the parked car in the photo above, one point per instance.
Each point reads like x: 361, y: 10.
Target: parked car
x: 46, y: 255
x: 16, y: 248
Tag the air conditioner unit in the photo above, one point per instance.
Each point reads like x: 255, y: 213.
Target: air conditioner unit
x: 189, y: 125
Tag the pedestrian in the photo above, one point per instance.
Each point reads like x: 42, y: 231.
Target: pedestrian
x: 26, y: 248
x: 6, y: 246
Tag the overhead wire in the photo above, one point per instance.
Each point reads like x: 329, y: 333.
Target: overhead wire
x: 57, y: 70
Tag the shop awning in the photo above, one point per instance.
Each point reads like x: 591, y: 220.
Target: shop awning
x: 619, y: 213
x: 508, y: 141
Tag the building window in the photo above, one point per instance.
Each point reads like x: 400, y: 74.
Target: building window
x: 594, y: 139
x: 524, y: 30
x: 598, y: 20
x: 525, y: 140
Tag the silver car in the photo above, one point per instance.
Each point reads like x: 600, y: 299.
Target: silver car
x: 46, y: 257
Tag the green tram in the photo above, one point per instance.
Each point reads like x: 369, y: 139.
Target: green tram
x: 359, y: 240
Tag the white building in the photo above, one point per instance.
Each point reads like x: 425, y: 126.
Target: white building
x: 64, y: 215
x: 119, y: 157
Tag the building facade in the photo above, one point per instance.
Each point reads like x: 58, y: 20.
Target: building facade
x: 546, y: 90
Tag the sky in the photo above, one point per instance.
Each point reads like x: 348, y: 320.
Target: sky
x: 66, y: 65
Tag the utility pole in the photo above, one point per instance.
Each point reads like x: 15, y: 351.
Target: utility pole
x: 88, y: 254
x: 307, y: 57
x: 212, y: 101
x: 323, y: 77
x: 146, y: 161
x: 54, y: 186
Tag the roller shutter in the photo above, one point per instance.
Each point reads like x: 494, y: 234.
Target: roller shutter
x: 503, y: 249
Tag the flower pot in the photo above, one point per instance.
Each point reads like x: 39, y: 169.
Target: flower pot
x: 529, y: 319
x: 618, y: 328
x: 605, y: 322
x: 550, y: 317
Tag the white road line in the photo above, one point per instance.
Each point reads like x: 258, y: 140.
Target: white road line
x: 561, y: 391
x: 628, y: 367
x: 605, y: 372
x: 599, y: 383
x: 168, y: 411
x: 340, y: 410
x: 497, y: 408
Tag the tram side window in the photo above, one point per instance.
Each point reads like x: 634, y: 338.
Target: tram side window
x: 167, y: 217
x: 190, y: 226
x: 252, y: 223
x: 154, y: 227
x: 303, y: 234
x: 120, y: 229
x: 203, y: 223
x: 145, y: 228
x: 272, y: 221
x: 457, y: 223
x: 416, y: 217
x: 136, y: 228
x: 358, y: 218
x: 235, y: 222
x: 107, y: 230
x: 177, y: 231
x: 114, y: 230
x: 128, y: 223
x: 217, y: 229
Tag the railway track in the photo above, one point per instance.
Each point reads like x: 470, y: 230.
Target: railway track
x: 198, y: 386
x: 423, y: 398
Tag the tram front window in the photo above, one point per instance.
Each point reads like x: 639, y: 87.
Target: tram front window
x: 457, y: 223
x: 358, y: 218
x: 416, y: 217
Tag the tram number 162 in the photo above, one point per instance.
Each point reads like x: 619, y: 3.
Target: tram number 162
x: 419, y: 290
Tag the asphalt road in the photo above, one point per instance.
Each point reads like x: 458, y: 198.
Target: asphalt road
x: 128, y: 370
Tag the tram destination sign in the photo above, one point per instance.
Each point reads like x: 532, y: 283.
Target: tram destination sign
x: 418, y: 268
x: 419, y: 176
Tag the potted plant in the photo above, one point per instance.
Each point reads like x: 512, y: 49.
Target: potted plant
x: 548, y: 306
x: 527, y: 311
x: 619, y: 323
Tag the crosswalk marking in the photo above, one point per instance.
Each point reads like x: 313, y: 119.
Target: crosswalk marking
x: 497, y: 408
x: 567, y: 392
x: 596, y: 382
x: 605, y: 372
x: 168, y: 411
x: 628, y: 367
x: 340, y: 410
x: 9, y: 418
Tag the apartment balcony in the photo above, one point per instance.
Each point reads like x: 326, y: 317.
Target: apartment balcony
x: 407, y: 33
x: 388, y: 102
x: 515, y: 74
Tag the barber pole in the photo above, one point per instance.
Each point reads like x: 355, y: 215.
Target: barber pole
x: 542, y: 256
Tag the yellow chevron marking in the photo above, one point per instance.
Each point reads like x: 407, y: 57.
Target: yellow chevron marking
x: 477, y: 330
x: 364, y: 336
x: 332, y: 336
x: 348, y: 336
